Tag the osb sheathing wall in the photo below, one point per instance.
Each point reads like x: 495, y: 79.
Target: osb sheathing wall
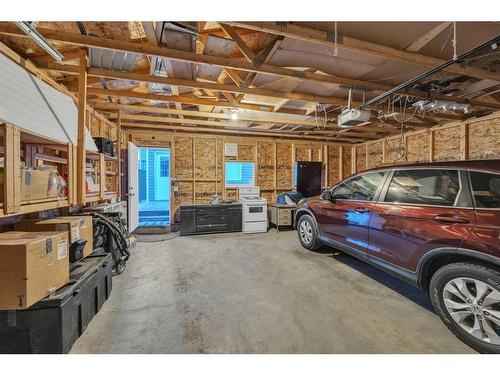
x: 197, y: 167
x: 465, y: 140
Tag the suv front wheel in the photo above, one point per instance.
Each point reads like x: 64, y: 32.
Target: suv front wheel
x: 467, y: 298
x: 308, y: 232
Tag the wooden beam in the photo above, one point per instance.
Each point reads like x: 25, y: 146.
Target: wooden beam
x: 425, y: 39
x: 92, y: 41
x: 233, y: 76
x: 12, y: 169
x: 119, y: 154
x: 152, y: 40
x: 187, y: 100
x: 149, y: 29
x: 224, y: 116
x: 324, y: 38
x: 223, y: 62
x: 231, y: 124
x: 240, y: 132
x: 242, y: 46
x: 305, y: 97
x: 82, y: 121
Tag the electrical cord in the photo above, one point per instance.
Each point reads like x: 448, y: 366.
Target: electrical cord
x: 116, y: 232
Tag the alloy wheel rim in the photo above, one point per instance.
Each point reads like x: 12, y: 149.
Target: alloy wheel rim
x: 475, y: 307
x: 305, y: 231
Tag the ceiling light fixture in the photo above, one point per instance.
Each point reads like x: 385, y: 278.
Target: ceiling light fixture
x: 30, y: 29
x: 234, y: 115
x: 441, y: 106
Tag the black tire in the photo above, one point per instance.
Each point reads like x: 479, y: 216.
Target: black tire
x: 308, y: 221
x: 120, y: 266
x: 478, y: 272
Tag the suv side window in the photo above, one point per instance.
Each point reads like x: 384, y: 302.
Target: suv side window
x: 486, y: 189
x: 439, y: 187
x: 360, y: 188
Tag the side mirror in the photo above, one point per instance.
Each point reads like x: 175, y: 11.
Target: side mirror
x: 327, y: 195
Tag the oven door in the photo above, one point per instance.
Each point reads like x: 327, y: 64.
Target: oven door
x: 254, y: 212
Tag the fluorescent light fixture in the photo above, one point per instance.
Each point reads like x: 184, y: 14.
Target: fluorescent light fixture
x: 29, y: 29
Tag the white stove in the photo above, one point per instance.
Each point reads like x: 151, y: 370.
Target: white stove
x: 254, y: 209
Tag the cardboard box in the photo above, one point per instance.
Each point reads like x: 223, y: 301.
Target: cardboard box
x: 33, y: 265
x: 78, y: 227
x: 36, y: 184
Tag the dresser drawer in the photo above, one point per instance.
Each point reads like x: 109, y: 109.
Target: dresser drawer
x: 211, y: 219
x: 211, y: 210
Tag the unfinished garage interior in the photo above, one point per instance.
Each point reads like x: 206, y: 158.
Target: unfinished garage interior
x: 249, y: 187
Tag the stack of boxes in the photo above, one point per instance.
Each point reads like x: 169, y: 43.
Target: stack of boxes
x: 35, y: 259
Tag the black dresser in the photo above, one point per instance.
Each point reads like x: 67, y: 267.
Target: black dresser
x: 210, y: 218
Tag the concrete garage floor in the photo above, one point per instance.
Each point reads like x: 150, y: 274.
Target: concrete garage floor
x: 237, y: 293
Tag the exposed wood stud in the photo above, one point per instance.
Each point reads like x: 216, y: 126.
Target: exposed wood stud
x: 82, y: 121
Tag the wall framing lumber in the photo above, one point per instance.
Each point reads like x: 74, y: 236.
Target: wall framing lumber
x: 82, y: 121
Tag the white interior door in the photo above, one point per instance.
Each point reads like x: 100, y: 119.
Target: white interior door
x: 133, y: 183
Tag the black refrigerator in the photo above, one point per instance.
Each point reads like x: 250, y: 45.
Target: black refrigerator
x: 308, y: 178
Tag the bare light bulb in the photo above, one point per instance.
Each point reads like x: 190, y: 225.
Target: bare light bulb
x: 234, y: 116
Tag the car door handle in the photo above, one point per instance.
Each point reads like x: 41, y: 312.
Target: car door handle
x: 362, y: 209
x: 452, y: 219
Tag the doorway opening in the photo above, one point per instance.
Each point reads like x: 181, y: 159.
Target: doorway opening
x: 154, y: 187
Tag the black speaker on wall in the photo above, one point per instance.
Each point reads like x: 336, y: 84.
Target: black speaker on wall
x: 308, y: 178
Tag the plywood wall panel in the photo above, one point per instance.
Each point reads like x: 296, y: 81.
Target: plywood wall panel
x: 447, y: 144
x: 417, y: 149
x: 269, y: 195
x: 284, y: 167
x: 246, y: 152
x: 316, y: 153
x: 333, y: 164
x: 183, y: 195
x: 484, y: 140
x: 204, y: 191
x: 303, y: 153
x: 183, y: 157
x: 95, y: 126
x: 220, y: 169
x: 346, y: 161
x: 205, y: 158
x: 232, y: 194
x: 265, y: 165
x: 394, y: 150
x: 152, y: 139
x: 360, y: 158
x: 375, y: 154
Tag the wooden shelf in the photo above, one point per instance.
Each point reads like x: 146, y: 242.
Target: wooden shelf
x: 51, y: 159
x: 34, y: 206
x: 96, y: 156
x: 92, y: 197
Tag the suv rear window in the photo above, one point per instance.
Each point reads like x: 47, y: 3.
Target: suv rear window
x: 486, y: 189
x: 424, y: 186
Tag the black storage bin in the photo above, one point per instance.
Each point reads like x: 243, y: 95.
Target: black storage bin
x: 105, y: 146
x: 53, y: 324
x: 210, y: 218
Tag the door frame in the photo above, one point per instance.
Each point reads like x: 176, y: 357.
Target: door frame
x: 132, y: 193
x: 158, y: 159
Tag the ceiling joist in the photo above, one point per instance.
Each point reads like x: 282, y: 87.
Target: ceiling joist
x: 324, y: 38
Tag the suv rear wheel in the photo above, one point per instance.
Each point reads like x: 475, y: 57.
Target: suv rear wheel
x: 467, y: 298
x: 308, y: 232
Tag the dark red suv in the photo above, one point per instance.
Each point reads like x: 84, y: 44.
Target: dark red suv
x: 435, y: 225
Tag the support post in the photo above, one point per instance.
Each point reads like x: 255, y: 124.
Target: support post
x: 12, y: 169
x: 119, y: 155
x: 82, y: 120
